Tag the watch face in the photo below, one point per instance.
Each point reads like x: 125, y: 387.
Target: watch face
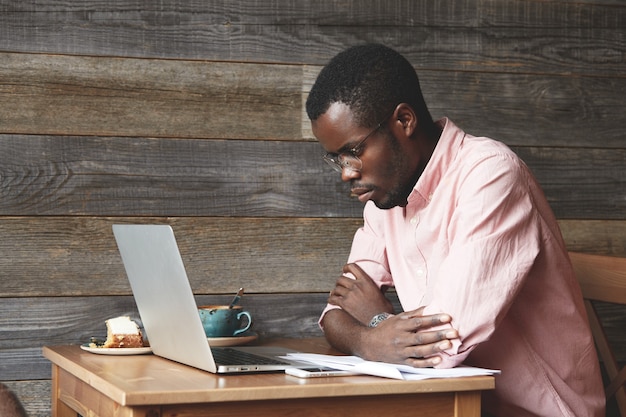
x: 379, y: 318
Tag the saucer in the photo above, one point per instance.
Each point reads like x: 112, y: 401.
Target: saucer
x: 116, y: 351
x: 241, y: 339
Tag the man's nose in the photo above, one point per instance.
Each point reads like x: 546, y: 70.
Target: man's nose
x: 348, y: 174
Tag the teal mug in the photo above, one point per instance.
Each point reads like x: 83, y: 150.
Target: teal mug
x: 222, y: 321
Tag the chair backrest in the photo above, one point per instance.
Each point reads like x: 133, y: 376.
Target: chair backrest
x: 603, y: 278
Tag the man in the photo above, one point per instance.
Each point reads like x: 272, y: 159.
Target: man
x: 461, y: 229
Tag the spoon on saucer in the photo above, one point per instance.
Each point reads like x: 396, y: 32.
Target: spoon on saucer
x: 236, y: 299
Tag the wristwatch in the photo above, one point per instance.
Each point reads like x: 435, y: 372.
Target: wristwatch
x: 379, y: 318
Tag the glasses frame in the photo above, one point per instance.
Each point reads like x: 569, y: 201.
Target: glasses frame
x: 341, y: 160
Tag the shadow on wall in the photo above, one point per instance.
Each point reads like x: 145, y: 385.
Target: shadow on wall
x: 10, y: 406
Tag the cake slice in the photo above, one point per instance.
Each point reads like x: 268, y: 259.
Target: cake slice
x: 122, y: 332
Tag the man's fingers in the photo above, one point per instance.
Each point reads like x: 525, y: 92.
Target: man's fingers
x: 344, y: 281
x: 423, y: 362
x: 423, y: 322
x: 438, y: 319
x: 352, y: 268
x: 418, y: 355
x: 355, y: 270
x: 426, y: 338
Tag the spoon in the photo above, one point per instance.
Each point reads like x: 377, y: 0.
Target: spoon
x: 236, y: 299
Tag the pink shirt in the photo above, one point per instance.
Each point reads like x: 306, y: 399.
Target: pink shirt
x: 478, y: 241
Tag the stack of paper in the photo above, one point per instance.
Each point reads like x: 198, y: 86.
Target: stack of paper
x: 387, y: 370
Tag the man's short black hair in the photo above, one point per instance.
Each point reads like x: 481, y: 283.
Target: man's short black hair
x: 372, y: 80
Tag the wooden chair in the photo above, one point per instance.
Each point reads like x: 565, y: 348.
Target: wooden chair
x: 603, y: 278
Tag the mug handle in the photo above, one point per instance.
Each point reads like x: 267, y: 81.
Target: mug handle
x: 247, y: 326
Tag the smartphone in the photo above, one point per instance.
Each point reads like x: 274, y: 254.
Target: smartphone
x: 316, y: 372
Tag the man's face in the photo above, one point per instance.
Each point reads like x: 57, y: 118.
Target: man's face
x: 386, y: 175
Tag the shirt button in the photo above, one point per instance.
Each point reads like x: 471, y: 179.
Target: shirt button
x: 430, y: 197
x: 415, y: 219
x: 420, y: 272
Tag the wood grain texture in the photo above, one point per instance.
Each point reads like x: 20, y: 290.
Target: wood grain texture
x: 595, y: 236
x: 169, y: 177
x: 576, y: 189
x: 138, y: 97
x: 47, y: 175
x: 530, y: 109
x: 439, y: 404
x: 193, y: 99
x: 525, y: 36
x: 65, y: 256
x: 146, y: 379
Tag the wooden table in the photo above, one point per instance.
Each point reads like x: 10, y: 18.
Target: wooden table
x: 150, y: 386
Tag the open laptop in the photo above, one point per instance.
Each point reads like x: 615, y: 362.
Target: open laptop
x: 168, y: 308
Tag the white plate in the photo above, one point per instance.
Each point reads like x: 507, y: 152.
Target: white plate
x: 117, y: 351
x: 242, y: 339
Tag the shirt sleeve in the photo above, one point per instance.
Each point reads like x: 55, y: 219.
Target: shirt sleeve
x: 494, y: 238
x: 368, y: 251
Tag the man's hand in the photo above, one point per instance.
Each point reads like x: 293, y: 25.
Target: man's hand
x: 359, y: 297
x: 407, y: 339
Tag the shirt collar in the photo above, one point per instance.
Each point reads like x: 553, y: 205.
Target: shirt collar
x: 445, y: 152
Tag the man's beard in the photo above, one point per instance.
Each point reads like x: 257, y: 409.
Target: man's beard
x: 394, y: 198
x: 399, y: 194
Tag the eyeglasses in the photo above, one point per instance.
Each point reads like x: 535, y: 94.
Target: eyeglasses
x: 349, y: 159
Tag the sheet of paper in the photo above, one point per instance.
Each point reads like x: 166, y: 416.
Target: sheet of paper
x: 387, y: 370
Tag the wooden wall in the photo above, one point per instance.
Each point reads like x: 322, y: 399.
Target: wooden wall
x: 191, y: 113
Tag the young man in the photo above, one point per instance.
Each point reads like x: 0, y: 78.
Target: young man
x: 461, y: 229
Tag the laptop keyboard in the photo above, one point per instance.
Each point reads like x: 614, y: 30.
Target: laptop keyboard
x: 228, y: 356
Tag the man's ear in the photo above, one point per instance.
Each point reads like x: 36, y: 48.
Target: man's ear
x: 405, y: 119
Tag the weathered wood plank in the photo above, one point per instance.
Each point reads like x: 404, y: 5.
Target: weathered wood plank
x: 531, y: 110
x: 113, y: 176
x: 191, y: 99
x: 175, y: 177
x: 496, y: 35
x: 576, y: 189
x: 595, y: 236
x: 64, y: 256
x: 137, y: 97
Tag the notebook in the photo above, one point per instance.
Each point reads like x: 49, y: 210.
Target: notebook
x: 168, y: 308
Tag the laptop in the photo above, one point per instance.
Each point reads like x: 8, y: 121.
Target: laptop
x: 168, y: 308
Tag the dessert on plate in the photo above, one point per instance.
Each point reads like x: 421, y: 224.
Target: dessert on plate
x: 122, y: 332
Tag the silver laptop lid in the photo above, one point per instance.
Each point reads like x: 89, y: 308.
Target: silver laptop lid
x: 163, y: 295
